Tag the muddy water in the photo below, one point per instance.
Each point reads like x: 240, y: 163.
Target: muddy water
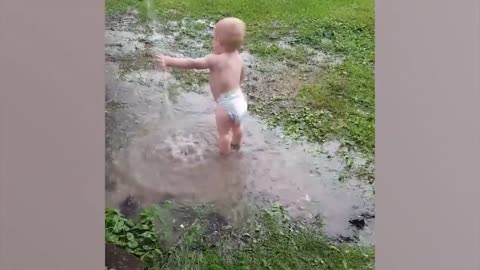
x: 161, y: 145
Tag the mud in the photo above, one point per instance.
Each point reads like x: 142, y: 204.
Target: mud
x: 161, y: 140
x: 119, y: 259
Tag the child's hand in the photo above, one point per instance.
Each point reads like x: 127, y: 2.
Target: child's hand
x: 162, y: 61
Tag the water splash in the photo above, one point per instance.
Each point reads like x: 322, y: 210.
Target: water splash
x: 149, y: 6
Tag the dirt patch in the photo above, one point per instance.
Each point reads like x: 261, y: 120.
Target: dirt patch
x: 119, y: 259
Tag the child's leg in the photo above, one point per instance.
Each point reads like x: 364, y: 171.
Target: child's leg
x: 237, y: 136
x: 224, y: 124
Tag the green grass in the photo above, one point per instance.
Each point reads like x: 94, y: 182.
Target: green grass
x: 340, y: 27
x: 271, y: 241
x: 337, y: 106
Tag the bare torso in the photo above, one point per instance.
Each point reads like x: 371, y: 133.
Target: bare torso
x: 225, y: 73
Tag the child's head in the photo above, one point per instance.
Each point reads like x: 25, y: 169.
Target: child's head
x: 228, y: 35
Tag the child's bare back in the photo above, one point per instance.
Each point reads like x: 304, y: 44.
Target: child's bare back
x: 226, y: 73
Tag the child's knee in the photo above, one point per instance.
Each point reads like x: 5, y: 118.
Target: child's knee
x: 237, y: 129
x: 237, y: 132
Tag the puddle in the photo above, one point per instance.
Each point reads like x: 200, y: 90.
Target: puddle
x: 162, y: 146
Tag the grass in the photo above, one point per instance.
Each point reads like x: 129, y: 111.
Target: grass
x: 339, y: 27
x: 271, y: 241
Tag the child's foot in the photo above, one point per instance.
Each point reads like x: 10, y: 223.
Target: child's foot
x: 235, y: 147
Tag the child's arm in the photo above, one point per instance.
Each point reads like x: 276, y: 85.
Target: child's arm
x: 186, y: 63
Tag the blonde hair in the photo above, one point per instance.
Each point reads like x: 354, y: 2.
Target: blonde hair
x: 230, y: 33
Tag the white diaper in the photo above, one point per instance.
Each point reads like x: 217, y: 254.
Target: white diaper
x: 234, y: 103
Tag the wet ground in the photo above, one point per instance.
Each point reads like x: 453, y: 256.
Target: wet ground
x: 161, y: 140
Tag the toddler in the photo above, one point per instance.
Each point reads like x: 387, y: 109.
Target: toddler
x: 226, y: 74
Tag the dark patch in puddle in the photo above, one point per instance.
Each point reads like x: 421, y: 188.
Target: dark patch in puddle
x: 358, y: 223
x: 130, y: 207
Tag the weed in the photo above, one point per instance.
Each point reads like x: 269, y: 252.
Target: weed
x: 139, y: 237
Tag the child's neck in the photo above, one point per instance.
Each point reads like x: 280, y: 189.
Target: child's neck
x: 229, y: 53
x: 222, y: 51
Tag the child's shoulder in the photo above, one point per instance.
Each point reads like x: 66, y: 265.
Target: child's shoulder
x: 214, y: 57
x: 219, y: 59
x: 212, y: 60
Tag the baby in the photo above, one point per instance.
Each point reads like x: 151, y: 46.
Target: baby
x: 226, y: 74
